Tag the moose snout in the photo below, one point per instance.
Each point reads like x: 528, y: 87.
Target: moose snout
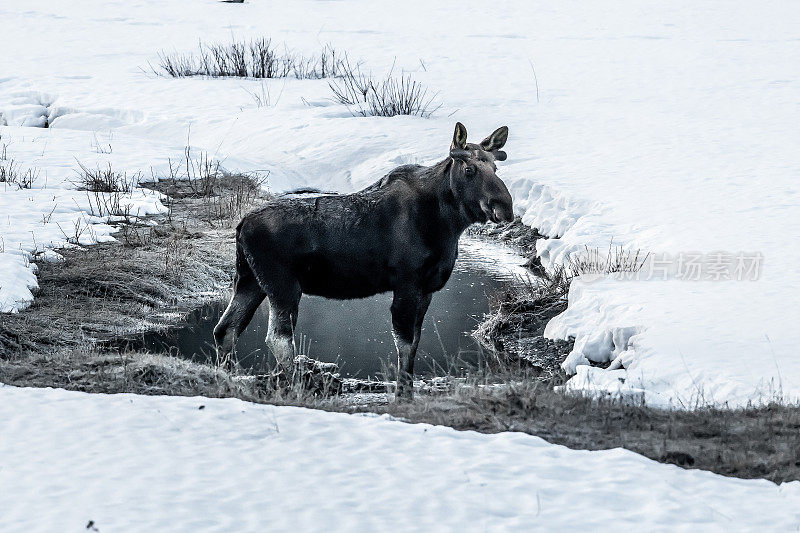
x: 500, y: 207
x: 502, y: 210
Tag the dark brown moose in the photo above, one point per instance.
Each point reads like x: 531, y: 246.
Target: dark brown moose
x: 400, y: 234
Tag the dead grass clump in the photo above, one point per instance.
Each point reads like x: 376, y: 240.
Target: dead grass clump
x: 617, y: 259
x: 109, y: 272
x: 104, y: 180
x: 88, y: 369
x: 204, y: 188
x: 108, y: 192
x: 257, y: 58
x: 387, y: 97
x: 136, y: 235
x: 11, y: 173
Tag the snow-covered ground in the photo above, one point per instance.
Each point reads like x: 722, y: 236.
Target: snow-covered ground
x: 143, y: 463
x: 669, y: 127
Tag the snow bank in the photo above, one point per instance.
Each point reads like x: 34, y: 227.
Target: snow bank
x: 671, y: 129
x: 52, y: 214
x: 144, y: 463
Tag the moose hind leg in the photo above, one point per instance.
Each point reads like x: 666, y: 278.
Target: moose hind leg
x: 408, y: 313
x: 283, y: 308
x: 247, y: 296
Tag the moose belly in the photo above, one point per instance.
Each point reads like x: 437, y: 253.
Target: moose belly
x: 342, y: 277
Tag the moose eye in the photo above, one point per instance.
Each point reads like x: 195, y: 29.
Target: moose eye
x: 470, y: 170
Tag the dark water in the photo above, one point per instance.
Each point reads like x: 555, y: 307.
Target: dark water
x: 356, y: 334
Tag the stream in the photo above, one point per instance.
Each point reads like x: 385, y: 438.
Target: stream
x: 356, y: 334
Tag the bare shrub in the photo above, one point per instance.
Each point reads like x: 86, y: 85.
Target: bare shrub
x: 177, y: 65
x: 389, y: 97
x: 257, y: 58
x: 108, y: 204
x: 329, y: 63
x: 75, y: 234
x: 3, y: 145
x: 12, y: 173
x: 105, y: 180
x: 222, y: 197
x: 197, y: 171
x: 176, y: 254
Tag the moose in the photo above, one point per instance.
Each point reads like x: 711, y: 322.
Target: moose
x: 399, y: 234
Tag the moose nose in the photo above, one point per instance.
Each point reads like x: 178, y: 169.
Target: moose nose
x: 502, y: 206
x: 502, y: 211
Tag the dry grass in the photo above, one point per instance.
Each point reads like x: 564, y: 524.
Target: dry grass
x: 257, y: 58
x: 158, y: 267
x: 104, y: 180
x: 386, y: 97
x: 617, y: 259
x: 204, y: 191
x: 106, y: 190
x: 12, y: 173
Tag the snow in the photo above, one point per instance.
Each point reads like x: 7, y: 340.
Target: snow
x: 670, y: 128
x: 144, y: 463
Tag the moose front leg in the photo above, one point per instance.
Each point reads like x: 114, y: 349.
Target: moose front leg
x: 408, y: 313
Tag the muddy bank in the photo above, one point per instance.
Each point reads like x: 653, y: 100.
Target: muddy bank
x: 158, y: 270
x: 514, y: 330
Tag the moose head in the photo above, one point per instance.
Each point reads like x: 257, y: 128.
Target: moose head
x: 481, y: 193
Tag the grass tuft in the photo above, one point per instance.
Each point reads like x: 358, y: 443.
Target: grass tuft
x: 104, y: 180
x: 257, y: 58
x: 388, y: 97
x: 11, y: 173
x: 215, y: 196
x: 617, y: 259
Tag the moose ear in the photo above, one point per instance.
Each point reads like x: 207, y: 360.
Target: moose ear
x: 496, y: 140
x: 459, y: 137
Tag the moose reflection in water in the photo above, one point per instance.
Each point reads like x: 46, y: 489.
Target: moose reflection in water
x: 399, y: 234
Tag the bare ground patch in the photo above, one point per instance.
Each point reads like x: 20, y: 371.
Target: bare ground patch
x: 159, y: 269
